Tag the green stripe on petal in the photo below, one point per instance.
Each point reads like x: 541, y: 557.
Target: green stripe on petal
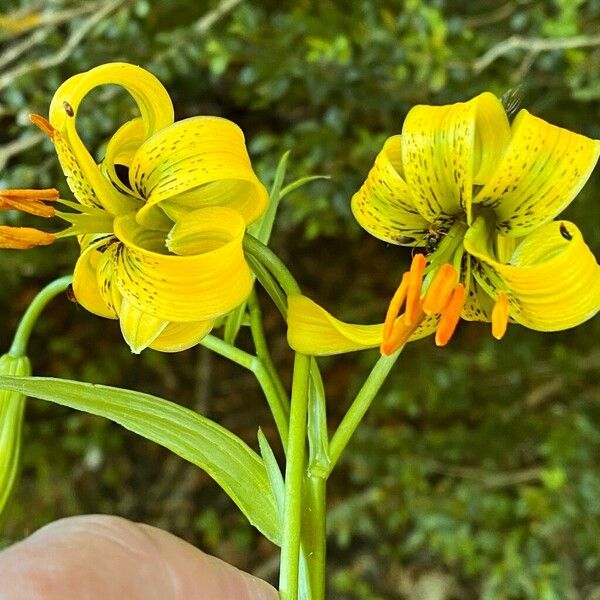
x: 552, y: 280
x: 83, y: 175
x: 383, y: 205
x: 181, y: 336
x: 209, y: 282
x: 312, y: 330
x: 543, y: 169
x: 196, y: 163
x: 448, y: 149
x: 139, y: 328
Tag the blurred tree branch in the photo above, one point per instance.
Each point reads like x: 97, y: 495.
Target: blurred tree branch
x: 77, y: 35
x: 533, y: 46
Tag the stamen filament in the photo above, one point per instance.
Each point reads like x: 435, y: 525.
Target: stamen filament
x: 440, y: 291
x: 450, y: 316
x: 415, y: 282
x: 500, y: 315
x: 395, y: 306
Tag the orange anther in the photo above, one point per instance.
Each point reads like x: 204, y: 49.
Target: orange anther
x: 500, y: 316
x: 43, y: 124
x: 440, y: 291
x: 415, y: 281
x: 22, y: 238
x: 395, y: 305
x: 29, y: 201
x: 450, y: 316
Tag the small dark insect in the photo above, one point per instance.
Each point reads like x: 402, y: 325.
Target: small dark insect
x: 71, y: 295
x: 512, y: 100
x: 68, y: 109
x: 565, y: 232
x: 433, y: 237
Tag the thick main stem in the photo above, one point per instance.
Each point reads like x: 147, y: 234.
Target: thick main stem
x: 314, y: 534
x: 294, y: 475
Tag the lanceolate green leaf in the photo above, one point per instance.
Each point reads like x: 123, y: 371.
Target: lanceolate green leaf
x: 226, y: 458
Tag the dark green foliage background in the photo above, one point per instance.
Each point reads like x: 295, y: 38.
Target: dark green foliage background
x: 476, y: 470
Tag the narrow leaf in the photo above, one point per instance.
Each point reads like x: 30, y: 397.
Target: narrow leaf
x: 273, y: 470
x: 299, y: 183
x: 225, y: 457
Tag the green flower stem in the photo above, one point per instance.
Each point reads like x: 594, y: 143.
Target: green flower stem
x: 273, y: 263
x: 314, y: 534
x: 294, y: 476
x: 269, y: 284
x: 262, y: 351
x: 19, y: 345
x: 359, y: 407
x: 254, y: 364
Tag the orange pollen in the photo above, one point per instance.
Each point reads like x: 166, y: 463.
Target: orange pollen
x: 43, y: 124
x: 29, y: 201
x: 23, y: 238
x: 413, y: 293
x: 450, y: 316
x: 440, y: 291
x: 500, y: 316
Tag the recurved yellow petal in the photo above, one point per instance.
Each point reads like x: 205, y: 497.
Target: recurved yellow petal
x: 543, y: 169
x: 121, y: 149
x: 312, y: 330
x: 447, y: 149
x: 83, y: 175
x: 383, y: 205
x: 181, y: 336
x: 139, y: 328
x: 211, y: 278
x: 93, y: 279
x: 552, y: 280
x: 197, y: 163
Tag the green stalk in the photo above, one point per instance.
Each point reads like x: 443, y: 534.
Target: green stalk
x: 19, y: 345
x: 359, y: 407
x: 254, y: 364
x: 314, y: 534
x: 294, y: 476
x: 273, y: 263
x: 262, y: 350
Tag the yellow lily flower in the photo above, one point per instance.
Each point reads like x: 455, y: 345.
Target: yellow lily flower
x: 161, y: 220
x: 479, y: 195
